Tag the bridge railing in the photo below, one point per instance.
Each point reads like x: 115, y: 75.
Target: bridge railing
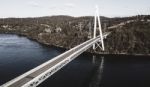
x: 60, y: 64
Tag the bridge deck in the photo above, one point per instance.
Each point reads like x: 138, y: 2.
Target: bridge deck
x: 27, y: 77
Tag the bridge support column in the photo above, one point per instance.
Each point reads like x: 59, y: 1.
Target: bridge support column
x: 101, y: 42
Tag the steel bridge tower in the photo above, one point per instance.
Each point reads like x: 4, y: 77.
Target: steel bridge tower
x: 99, y: 44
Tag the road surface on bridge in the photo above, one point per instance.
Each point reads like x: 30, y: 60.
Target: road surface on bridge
x: 36, y: 72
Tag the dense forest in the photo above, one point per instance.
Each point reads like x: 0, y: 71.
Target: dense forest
x: 129, y: 35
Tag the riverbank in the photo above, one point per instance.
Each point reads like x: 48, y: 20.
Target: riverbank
x: 89, y: 51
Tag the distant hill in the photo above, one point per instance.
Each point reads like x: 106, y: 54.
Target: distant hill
x: 130, y: 35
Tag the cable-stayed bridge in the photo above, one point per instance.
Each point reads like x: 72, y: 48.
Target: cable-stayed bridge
x: 40, y: 73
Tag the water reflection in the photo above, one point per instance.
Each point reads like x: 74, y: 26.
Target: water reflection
x: 101, y: 68
x: 93, y: 59
x: 99, y: 61
x: 19, y: 54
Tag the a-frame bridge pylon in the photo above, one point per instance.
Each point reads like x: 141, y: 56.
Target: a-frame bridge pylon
x: 101, y: 42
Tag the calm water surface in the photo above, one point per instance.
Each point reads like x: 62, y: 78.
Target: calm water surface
x: 19, y: 54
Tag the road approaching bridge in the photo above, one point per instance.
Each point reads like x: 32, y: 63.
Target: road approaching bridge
x: 37, y: 75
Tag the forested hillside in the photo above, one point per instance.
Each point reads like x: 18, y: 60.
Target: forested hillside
x: 129, y: 35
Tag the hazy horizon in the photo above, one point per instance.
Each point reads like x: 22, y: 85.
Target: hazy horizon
x: 75, y: 8
x: 70, y: 16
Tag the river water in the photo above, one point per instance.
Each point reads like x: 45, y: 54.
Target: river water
x: 19, y: 54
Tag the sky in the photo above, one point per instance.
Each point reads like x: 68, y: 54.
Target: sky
x: 38, y: 8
